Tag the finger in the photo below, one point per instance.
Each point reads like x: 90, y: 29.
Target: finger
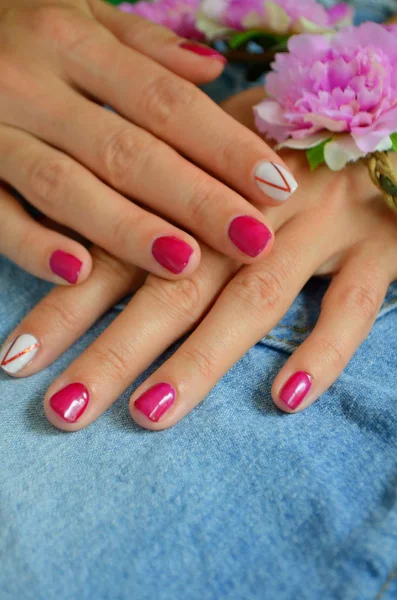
x: 349, y: 310
x: 180, y: 114
x: 252, y: 303
x: 144, y: 168
x: 71, y: 195
x: 192, y: 61
x: 155, y: 318
x: 40, y: 251
x: 65, y: 314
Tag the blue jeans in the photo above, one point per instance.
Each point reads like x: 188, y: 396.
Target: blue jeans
x: 236, y: 502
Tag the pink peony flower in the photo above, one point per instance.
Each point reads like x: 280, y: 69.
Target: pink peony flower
x: 342, y: 87
x: 178, y: 15
x: 218, y: 17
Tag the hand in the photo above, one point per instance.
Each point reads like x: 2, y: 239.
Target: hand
x: 337, y: 224
x: 76, y: 162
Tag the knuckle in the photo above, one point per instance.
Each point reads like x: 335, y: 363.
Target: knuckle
x: 61, y: 317
x: 334, y: 351
x: 58, y: 24
x: 202, y: 197
x: 260, y: 291
x: 123, y: 232
x: 115, y: 361
x: 165, y: 98
x: 14, y: 79
x: 140, y: 30
x: 124, y: 154
x: 203, y: 362
x: 47, y: 181
x: 363, y: 299
x: 183, y: 299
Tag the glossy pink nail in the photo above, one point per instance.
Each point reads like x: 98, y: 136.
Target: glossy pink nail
x: 172, y: 253
x: 70, y: 402
x: 249, y: 235
x: 156, y: 401
x: 65, y: 265
x: 203, y: 51
x: 296, y: 389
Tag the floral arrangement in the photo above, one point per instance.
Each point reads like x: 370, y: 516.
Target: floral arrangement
x: 335, y: 96
x: 178, y: 15
x: 269, y: 22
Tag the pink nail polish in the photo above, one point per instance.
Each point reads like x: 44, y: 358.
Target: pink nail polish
x: 156, y: 401
x: 172, y: 253
x: 203, y: 51
x: 296, y: 389
x: 249, y: 235
x: 70, y: 402
x: 65, y: 265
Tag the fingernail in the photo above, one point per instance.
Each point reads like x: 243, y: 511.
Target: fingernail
x: 203, y: 51
x: 65, y: 265
x: 275, y: 181
x: 249, y: 235
x: 156, y: 401
x: 18, y: 353
x: 172, y: 254
x: 70, y: 402
x: 296, y: 389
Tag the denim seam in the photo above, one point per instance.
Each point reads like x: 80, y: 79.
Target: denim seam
x: 392, y: 575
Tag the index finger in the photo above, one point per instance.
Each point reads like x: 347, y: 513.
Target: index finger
x: 181, y: 115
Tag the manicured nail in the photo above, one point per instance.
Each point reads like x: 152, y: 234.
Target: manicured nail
x: 276, y: 181
x: 203, y: 51
x: 65, y: 265
x: 172, y: 254
x: 296, y: 389
x: 18, y: 353
x: 70, y: 402
x: 156, y: 401
x: 249, y: 235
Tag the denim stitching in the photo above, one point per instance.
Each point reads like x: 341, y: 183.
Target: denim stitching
x: 392, y: 575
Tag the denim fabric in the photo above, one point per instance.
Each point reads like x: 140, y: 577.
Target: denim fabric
x: 236, y: 502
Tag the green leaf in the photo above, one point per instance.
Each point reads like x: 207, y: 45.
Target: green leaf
x: 315, y: 155
x: 394, y: 141
x: 241, y: 38
x: 268, y: 40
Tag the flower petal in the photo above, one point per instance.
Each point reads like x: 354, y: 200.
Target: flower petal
x: 341, y: 150
x: 276, y: 18
x: 325, y: 122
x: 367, y: 138
x: 303, y: 25
x: 211, y: 29
x: 305, y: 143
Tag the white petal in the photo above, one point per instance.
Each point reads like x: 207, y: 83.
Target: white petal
x: 276, y: 19
x: 304, y: 144
x: 303, y: 25
x: 211, y: 29
x: 341, y: 150
x: 385, y: 144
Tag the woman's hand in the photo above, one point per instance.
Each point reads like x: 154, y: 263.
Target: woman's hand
x: 77, y: 162
x: 336, y: 225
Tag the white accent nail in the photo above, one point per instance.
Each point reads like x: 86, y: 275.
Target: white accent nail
x: 275, y: 181
x: 18, y: 353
